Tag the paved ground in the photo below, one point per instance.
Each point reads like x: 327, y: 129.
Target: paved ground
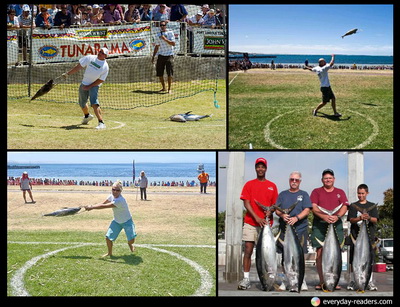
x: 384, y: 282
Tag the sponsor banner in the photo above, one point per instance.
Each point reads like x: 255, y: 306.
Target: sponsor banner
x: 208, y: 41
x: 56, y: 45
x: 12, y: 47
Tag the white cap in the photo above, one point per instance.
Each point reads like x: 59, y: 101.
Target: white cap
x: 200, y: 13
x: 211, y: 11
x: 95, y: 6
x: 26, y: 8
x: 105, y: 50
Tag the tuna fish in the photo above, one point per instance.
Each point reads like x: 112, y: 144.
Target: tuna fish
x: 46, y: 88
x: 331, y: 255
x: 266, y: 260
x: 293, y: 261
x: 64, y: 212
x: 363, y: 254
x: 187, y: 117
x: 353, y: 31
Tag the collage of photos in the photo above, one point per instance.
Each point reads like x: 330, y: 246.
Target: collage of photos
x: 248, y: 148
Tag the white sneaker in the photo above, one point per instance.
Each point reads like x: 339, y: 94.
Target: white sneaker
x: 244, y: 284
x: 304, y: 286
x: 85, y: 120
x: 101, y: 126
x: 282, y: 287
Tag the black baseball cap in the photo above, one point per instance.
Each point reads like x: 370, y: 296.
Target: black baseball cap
x: 328, y: 171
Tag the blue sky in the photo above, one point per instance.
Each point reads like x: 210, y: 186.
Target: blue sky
x: 311, y: 29
x: 378, y: 170
x: 111, y: 157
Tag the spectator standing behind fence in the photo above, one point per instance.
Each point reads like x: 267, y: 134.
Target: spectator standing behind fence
x: 194, y: 21
x: 12, y: 20
x: 145, y: 13
x: 143, y: 185
x: 112, y: 15
x: 76, y: 15
x: 53, y: 10
x: 209, y: 19
x: 96, y: 16
x: 63, y: 18
x: 178, y: 12
x: 132, y: 14
x: 26, y: 185
x: 162, y: 14
x: 44, y: 20
x: 25, y: 20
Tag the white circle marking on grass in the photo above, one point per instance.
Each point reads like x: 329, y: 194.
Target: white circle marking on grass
x: 371, y: 137
x: 18, y: 286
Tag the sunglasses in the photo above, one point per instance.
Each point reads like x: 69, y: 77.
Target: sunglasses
x: 294, y: 179
x: 116, y: 190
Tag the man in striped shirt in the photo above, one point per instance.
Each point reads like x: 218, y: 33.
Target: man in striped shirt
x: 164, y: 45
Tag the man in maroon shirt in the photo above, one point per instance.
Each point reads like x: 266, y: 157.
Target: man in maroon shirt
x: 327, y: 197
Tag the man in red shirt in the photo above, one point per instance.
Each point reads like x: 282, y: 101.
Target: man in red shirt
x: 266, y: 193
x: 327, y: 197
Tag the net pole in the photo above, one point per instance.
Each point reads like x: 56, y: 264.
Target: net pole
x: 30, y: 53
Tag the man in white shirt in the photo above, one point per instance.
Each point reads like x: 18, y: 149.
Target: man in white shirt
x: 95, y: 74
x: 164, y: 46
x: 327, y: 93
x: 122, y: 218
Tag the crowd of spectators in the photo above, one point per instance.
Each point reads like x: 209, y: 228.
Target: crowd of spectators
x: 240, y: 64
x: 103, y: 183
x: 66, y: 15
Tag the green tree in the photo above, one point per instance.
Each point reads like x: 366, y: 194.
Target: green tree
x: 385, y: 224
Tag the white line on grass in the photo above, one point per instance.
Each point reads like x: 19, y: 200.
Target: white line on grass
x: 17, y: 281
x: 233, y: 79
x: 371, y: 137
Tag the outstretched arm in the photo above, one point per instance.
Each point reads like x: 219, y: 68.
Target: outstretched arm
x: 332, y: 60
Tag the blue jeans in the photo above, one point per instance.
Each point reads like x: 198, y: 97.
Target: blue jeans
x: 90, y: 94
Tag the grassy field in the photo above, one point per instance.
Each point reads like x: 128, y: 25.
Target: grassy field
x: 50, y: 125
x: 61, y: 256
x: 273, y: 110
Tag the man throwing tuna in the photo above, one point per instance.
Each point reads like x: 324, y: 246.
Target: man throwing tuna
x: 327, y: 93
x: 95, y: 74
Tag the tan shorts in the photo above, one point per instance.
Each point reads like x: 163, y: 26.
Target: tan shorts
x: 250, y: 233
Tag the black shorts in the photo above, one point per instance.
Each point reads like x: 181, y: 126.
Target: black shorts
x: 327, y: 94
x: 165, y: 62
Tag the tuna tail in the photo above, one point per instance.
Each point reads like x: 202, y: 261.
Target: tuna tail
x: 364, y: 210
x: 330, y: 212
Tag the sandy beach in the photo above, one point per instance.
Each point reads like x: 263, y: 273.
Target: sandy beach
x: 167, y: 211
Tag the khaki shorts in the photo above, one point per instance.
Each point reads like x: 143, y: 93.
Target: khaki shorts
x: 250, y: 233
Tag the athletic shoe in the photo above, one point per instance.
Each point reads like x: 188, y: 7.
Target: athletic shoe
x: 337, y: 114
x: 282, y: 287
x: 85, y: 120
x: 244, y: 284
x: 314, y: 112
x: 351, y: 285
x: 304, y: 286
x: 101, y: 126
x: 372, y: 287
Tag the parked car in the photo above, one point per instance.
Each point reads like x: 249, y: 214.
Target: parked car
x: 386, y: 249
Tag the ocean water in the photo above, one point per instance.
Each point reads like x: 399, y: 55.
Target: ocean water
x: 98, y: 172
x: 313, y: 59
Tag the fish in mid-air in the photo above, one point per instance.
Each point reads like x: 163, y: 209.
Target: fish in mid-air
x: 353, y: 31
